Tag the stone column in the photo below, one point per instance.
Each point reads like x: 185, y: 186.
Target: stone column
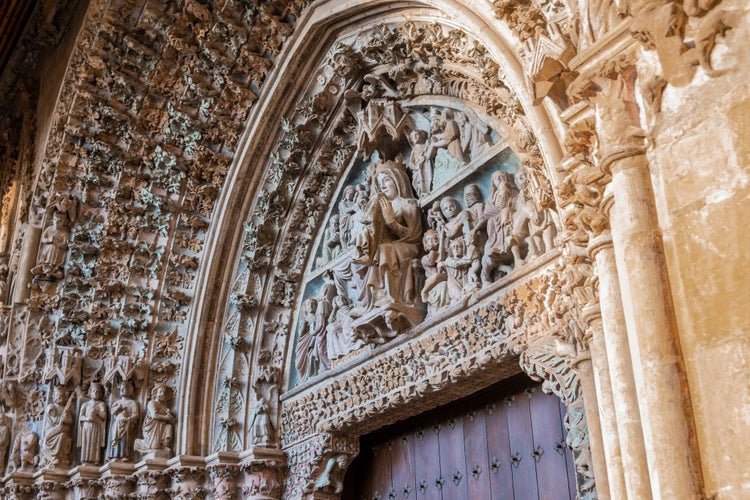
x: 615, y: 339
x: 610, y: 440
x: 657, y: 361
x: 591, y: 404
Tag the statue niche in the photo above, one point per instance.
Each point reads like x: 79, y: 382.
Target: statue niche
x: 412, y: 239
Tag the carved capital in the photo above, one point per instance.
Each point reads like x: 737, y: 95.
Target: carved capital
x: 152, y: 484
x: 683, y: 35
x: 224, y: 478
x: 188, y: 482
x: 262, y: 479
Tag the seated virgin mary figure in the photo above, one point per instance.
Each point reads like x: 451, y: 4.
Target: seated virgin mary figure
x: 389, y: 244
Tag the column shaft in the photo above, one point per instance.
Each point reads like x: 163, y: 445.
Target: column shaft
x: 588, y: 386
x: 615, y: 336
x: 657, y: 362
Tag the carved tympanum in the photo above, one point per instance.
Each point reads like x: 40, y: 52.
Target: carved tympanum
x: 448, y: 185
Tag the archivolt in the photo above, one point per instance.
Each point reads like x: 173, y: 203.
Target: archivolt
x: 247, y: 351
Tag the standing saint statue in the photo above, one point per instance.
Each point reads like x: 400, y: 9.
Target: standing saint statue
x: 24, y: 451
x: 124, y: 419
x: 91, y: 426
x: 261, y: 425
x: 157, y: 424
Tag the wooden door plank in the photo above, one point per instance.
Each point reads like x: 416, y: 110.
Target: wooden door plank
x: 453, y: 458
x: 498, y: 450
x: 521, y: 446
x: 477, y: 466
x: 381, y: 470
x: 403, y: 466
x: 427, y: 461
x: 364, y: 484
x: 551, y: 468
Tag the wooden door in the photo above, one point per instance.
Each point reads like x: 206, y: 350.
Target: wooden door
x: 506, y: 443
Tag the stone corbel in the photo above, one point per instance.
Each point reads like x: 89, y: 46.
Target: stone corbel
x: 317, y: 466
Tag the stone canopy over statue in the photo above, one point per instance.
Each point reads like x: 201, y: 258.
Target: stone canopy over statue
x: 436, y: 211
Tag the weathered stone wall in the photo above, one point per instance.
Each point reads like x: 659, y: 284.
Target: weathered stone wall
x: 700, y: 166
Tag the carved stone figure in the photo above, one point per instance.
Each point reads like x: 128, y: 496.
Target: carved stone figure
x: 24, y: 451
x: 542, y: 232
x: 307, y: 356
x: 92, y: 426
x: 58, y: 429
x: 474, y: 136
x: 453, y: 227
x: 4, y: 269
x: 125, y: 415
x: 261, y: 425
x: 446, y: 134
x: 53, y: 248
x: 331, y: 478
x: 524, y: 213
x: 472, y: 218
x: 419, y: 163
x: 389, y: 243
x: 157, y: 424
x: 6, y: 426
x: 339, y: 340
x: 347, y: 209
x: 431, y: 245
x: 332, y: 239
x: 499, y: 215
x: 435, y: 216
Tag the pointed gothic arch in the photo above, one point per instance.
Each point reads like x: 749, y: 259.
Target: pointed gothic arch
x: 253, y: 307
